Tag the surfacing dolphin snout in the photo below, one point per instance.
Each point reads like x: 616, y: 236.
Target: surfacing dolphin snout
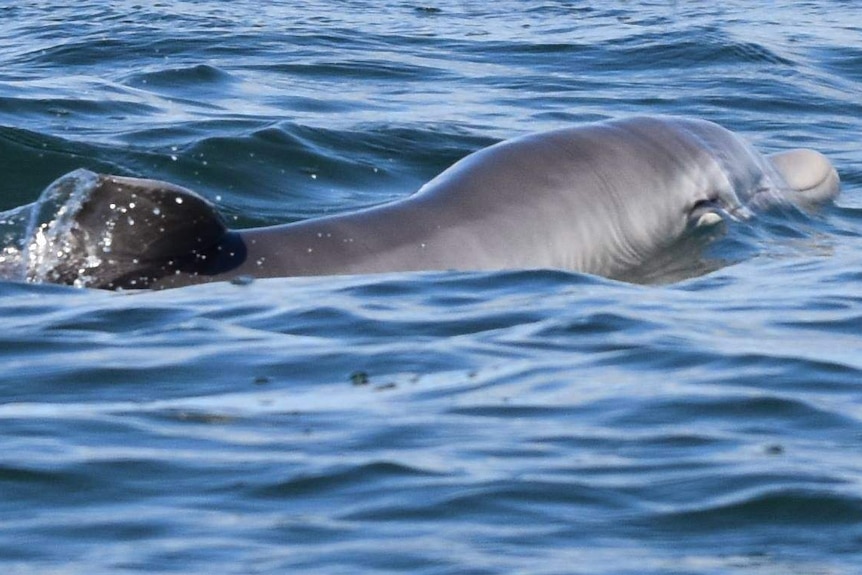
x: 603, y: 198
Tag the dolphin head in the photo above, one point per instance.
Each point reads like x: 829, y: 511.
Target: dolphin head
x: 749, y: 181
x: 809, y: 175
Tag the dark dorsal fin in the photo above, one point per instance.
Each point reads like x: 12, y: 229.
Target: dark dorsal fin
x: 131, y: 232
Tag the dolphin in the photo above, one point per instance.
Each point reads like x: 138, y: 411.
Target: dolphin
x: 603, y: 198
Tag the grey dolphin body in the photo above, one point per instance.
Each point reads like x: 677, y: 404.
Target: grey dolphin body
x: 603, y: 198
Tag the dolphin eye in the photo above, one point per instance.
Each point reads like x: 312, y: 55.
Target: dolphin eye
x: 705, y: 204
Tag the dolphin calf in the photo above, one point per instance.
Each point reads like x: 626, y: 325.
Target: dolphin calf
x: 602, y: 198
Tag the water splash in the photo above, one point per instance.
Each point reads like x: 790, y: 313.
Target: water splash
x: 40, y: 238
x: 13, y: 225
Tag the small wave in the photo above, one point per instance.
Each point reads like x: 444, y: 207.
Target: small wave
x: 173, y: 78
x: 772, y: 507
x: 709, y: 49
x: 349, y: 478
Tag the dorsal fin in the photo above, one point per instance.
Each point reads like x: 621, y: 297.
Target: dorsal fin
x: 131, y: 232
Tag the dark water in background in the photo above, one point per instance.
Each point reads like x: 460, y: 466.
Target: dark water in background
x: 521, y: 422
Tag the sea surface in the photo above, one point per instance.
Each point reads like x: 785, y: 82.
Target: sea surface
x: 531, y: 422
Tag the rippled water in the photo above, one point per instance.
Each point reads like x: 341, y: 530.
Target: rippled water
x: 519, y: 422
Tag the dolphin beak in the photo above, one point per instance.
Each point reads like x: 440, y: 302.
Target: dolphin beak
x: 808, y: 173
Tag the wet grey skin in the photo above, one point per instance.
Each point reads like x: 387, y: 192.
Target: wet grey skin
x: 602, y: 198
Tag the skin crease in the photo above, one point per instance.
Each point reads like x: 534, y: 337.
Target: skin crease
x: 602, y: 198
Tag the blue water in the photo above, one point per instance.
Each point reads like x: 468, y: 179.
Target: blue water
x: 517, y: 422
